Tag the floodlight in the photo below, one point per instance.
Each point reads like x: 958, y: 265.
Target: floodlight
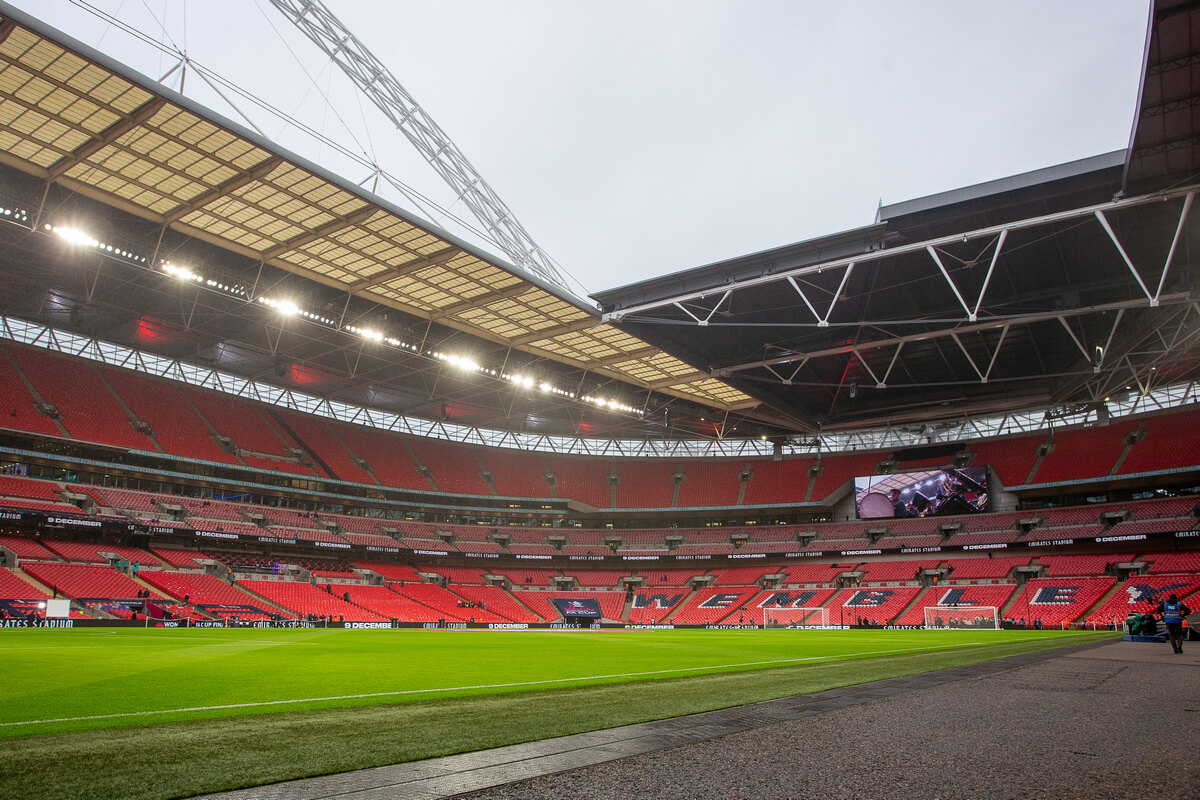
x: 76, y: 236
x: 287, y: 308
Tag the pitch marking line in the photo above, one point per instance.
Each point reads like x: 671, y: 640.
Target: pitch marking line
x: 402, y: 692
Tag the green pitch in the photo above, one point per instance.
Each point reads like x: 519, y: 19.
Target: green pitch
x: 193, y: 705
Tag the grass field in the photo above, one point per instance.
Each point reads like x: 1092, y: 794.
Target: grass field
x: 153, y: 714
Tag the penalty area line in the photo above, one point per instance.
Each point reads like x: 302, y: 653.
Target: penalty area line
x: 510, y: 685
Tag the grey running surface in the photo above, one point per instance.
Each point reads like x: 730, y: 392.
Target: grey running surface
x: 1114, y: 720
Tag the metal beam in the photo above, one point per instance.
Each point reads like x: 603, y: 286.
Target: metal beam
x: 320, y: 232
x: 256, y: 173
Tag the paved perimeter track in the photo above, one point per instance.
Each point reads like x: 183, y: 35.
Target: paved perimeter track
x: 1109, y: 720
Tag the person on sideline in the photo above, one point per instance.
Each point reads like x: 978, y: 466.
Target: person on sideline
x: 1172, y: 611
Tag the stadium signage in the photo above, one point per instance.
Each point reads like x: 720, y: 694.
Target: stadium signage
x: 366, y: 625
x: 637, y: 558
x: 597, y: 558
x: 11, y: 515
x: 806, y: 554
x: 338, y: 545
x: 1049, y: 542
x: 208, y: 623
x: 377, y: 549
x: 163, y: 529
x: 37, y: 623
x: 434, y: 553
x: 508, y: 626
x: 714, y: 627
x: 217, y: 535
x: 649, y: 627
x: 747, y: 555
x: 75, y: 521
x: 861, y: 552
x: 528, y: 556
x: 277, y: 540
x: 920, y: 549
x: 165, y: 623
x: 1186, y: 534
x: 481, y: 555
x: 1000, y: 546
x: 1132, y: 537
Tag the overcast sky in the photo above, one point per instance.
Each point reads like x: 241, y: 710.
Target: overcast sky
x: 635, y: 139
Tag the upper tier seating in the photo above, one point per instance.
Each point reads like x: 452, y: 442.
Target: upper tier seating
x: 1083, y: 452
x: 741, y: 576
x: 582, y: 479
x: 889, y: 571
x: 86, y: 407
x: 1010, y: 458
x: 18, y: 411
x: 249, y: 428
x: 1088, y: 565
x: 645, y: 484
x: 777, y: 481
x: 597, y: 578
x: 1172, y: 441
x: 386, y: 454
x: 516, y: 473
x: 983, y: 568
x: 838, y: 470
x: 455, y: 467
x: 312, y: 433
x: 713, y: 483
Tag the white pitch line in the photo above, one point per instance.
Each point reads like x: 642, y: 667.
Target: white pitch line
x: 402, y: 692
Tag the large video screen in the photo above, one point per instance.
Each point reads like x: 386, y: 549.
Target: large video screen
x: 928, y: 493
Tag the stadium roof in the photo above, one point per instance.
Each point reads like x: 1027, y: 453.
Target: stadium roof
x: 985, y: 299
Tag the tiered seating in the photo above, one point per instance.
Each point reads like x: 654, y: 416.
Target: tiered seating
x: 307, y: 534
x: 889, y: 571
x: 320, y: 438
x: 461, y: 576
x: 208, y: 509
x: 1140, y: 594
x: 443, y: 603
x: 470, y: 547
x: 498, y: 602
x: 963, y: 569
x: 1171, y: 442
x: 13, y: 588
x: 645, y: 484
x: 1011, y: 459
x: 1089, y: 565
x: 777, y: 482
x: 369, y: 539
x: 209, y: 593
x: 878, y: 606
x: 121, y: 499
x: 26, y: 548
x: 995, y: 595
x: 741, y: 576
x: 1078, y: 515
x: 351, y: 524
x: 92, y: 553
x: 1173, y: 563
x: 582, y: 479
x: 1160, y: 508
x: 1040, y: 534
x: 774, y: 603
x: 179, y: 558
x: 812, y: 573
x: 160, y: 404
x: 715, y: 604
x: 654, y: 604
x: 597, y: 578
x: 390, y: 571
x: 611, y: 603
x: 669, y: 577
x: 244, y: 423
x: 528, y: 577
x: 982, y: 537
x: 767, y: 547
x: 33, y: 495
x: 710, y: 483
x: 389, y: 604
x: 1083, y: 453
x: 455, y: 467
x: 304, y: 599
x: 385, y: 453
x: 533, y: 549
x: 17, y: 409
x: 84, y: 581
x: 326, y: 575
x: 1053, y: 600
x: 839, y: 469
x: 516, y: 473
x: 841, y: 536
x: 86, y: 407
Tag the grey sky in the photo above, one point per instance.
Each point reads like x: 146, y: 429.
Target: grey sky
x: 634, y: 139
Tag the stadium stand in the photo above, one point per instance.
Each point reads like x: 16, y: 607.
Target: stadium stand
x: 454, y: 468
x: 86, y: 581
x: 957, y: 597
x: 208, y: 593
x: 582, y: 479
x: 874, y: 606
x: 774, y: 482
x: 304, y: 599
x: 645, y: 484
x: 542, y: 603
x: 1170, y: 442
x: 962, y: 569
x: 710, y: 484
x: 517, y: 474
x: 1051, y: 601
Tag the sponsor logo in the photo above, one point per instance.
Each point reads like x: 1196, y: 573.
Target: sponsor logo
x: 377, y: 549
x: 578, y: 558
x: 1186, y: 534
x: 37, y: 623
x: 480, y: 555
x: 1050, y: 542
x: 920, y: 549
x: 805, y: 554
x: 955, y: 597
x: 11, y: 515
x: 1141, y: 593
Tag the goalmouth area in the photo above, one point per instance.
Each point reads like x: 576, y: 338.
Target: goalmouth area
x: 197, y: 710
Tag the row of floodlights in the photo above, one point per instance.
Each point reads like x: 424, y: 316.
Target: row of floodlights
x: 15, y: 214
x: 289, y: 308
